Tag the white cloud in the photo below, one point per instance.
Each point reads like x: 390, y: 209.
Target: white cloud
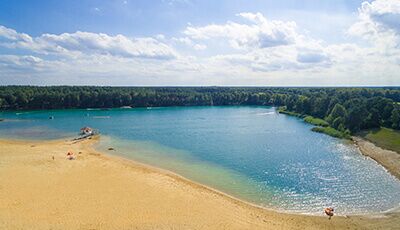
x: 184, y: 40
x: 15, y: 69
x: 118, y: 45
x: 199, y: 47
x: 258, y: 33
x: 160, y: 37
x: 264, y: 45
x: 189, y: 42
x: 379, y: 22
x: 87, y: 43
x: 311, y: 57
x: 10, y: 35
x: 18, y: 61
x: 276, y: 59
x: 265, y: 52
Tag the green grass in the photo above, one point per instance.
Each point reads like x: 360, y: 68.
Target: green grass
x: 316, y: 121
x: 289, y: 113
x: 331, y: 132
x: 322, y: 126
x: 383, y: 137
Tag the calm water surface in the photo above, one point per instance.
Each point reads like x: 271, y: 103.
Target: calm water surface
x: 252, y: 153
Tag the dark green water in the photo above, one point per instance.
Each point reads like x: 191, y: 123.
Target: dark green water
x: 252, y: 153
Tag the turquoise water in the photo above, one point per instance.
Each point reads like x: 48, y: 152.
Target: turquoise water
x: 252, y: 153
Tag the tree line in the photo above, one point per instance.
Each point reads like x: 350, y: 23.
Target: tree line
x: 345, y: 109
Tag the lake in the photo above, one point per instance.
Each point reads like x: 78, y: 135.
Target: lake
x: 252, y: 153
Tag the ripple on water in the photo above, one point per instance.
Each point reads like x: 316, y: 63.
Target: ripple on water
x: 351, y: 184
x: 252, y: 153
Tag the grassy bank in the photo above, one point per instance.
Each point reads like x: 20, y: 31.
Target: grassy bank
x: 383, y: 137
x: 322, y: 126
x: 290, y: 113
x: 331, y: 132
x: 316, y: 121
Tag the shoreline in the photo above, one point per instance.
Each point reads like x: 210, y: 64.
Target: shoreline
x: 236, y: 199
x: 253, y: 216
x: 389, y: 159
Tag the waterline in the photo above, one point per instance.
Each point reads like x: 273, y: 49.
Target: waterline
x: 252, y: 153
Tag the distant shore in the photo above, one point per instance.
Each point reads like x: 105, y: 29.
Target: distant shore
x: 387, y: 158
x: 41, y: 189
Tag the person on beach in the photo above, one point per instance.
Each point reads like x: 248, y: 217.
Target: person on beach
x: 70, y: 156
x: 329, y: 212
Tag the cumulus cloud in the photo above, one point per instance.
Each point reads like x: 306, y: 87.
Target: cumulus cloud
x: 263, y: 45
x: 87, y: 43
x: 257, y: 33
x: 189, y: 42
x: 379, y: 21
x: 118, y: 45
x: 275, y: 59
x: 10, y: 34
x: 16, y: 68
x: 311, y: 57
x: 264, y: 52
x: 14, y: 60
x: 199, y: 47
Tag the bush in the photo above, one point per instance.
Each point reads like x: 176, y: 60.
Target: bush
x: 316, y: 121
x: 332, y: 132
x: 290, y: 113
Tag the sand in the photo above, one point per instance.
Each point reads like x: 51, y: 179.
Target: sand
x: 387, y: 158
x: 101, y: 191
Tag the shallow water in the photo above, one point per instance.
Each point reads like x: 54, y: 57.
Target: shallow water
x: 252, y: 153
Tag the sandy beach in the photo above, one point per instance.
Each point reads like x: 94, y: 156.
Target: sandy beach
x: 41, y: 189
x: 387, y: 158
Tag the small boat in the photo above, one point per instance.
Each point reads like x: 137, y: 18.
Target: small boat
x: 86, y: 131
x: 51, y: 117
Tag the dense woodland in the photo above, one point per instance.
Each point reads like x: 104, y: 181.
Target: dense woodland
x: 347, y: 110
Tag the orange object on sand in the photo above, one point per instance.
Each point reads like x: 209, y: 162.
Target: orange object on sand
x: 70, y: 156
x: 329, y: 212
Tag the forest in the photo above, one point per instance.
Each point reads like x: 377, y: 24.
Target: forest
x: 337, y: 111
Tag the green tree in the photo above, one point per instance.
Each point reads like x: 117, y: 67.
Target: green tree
x: 373, y: 120
x: 395, y: 118
x: 338, y: 111
x: 356, y: 117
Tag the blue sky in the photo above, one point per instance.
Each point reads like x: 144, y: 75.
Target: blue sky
x: 146, y: 18
x: 190, y: 42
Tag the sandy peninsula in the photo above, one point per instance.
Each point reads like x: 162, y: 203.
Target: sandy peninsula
x: 41, y: 189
